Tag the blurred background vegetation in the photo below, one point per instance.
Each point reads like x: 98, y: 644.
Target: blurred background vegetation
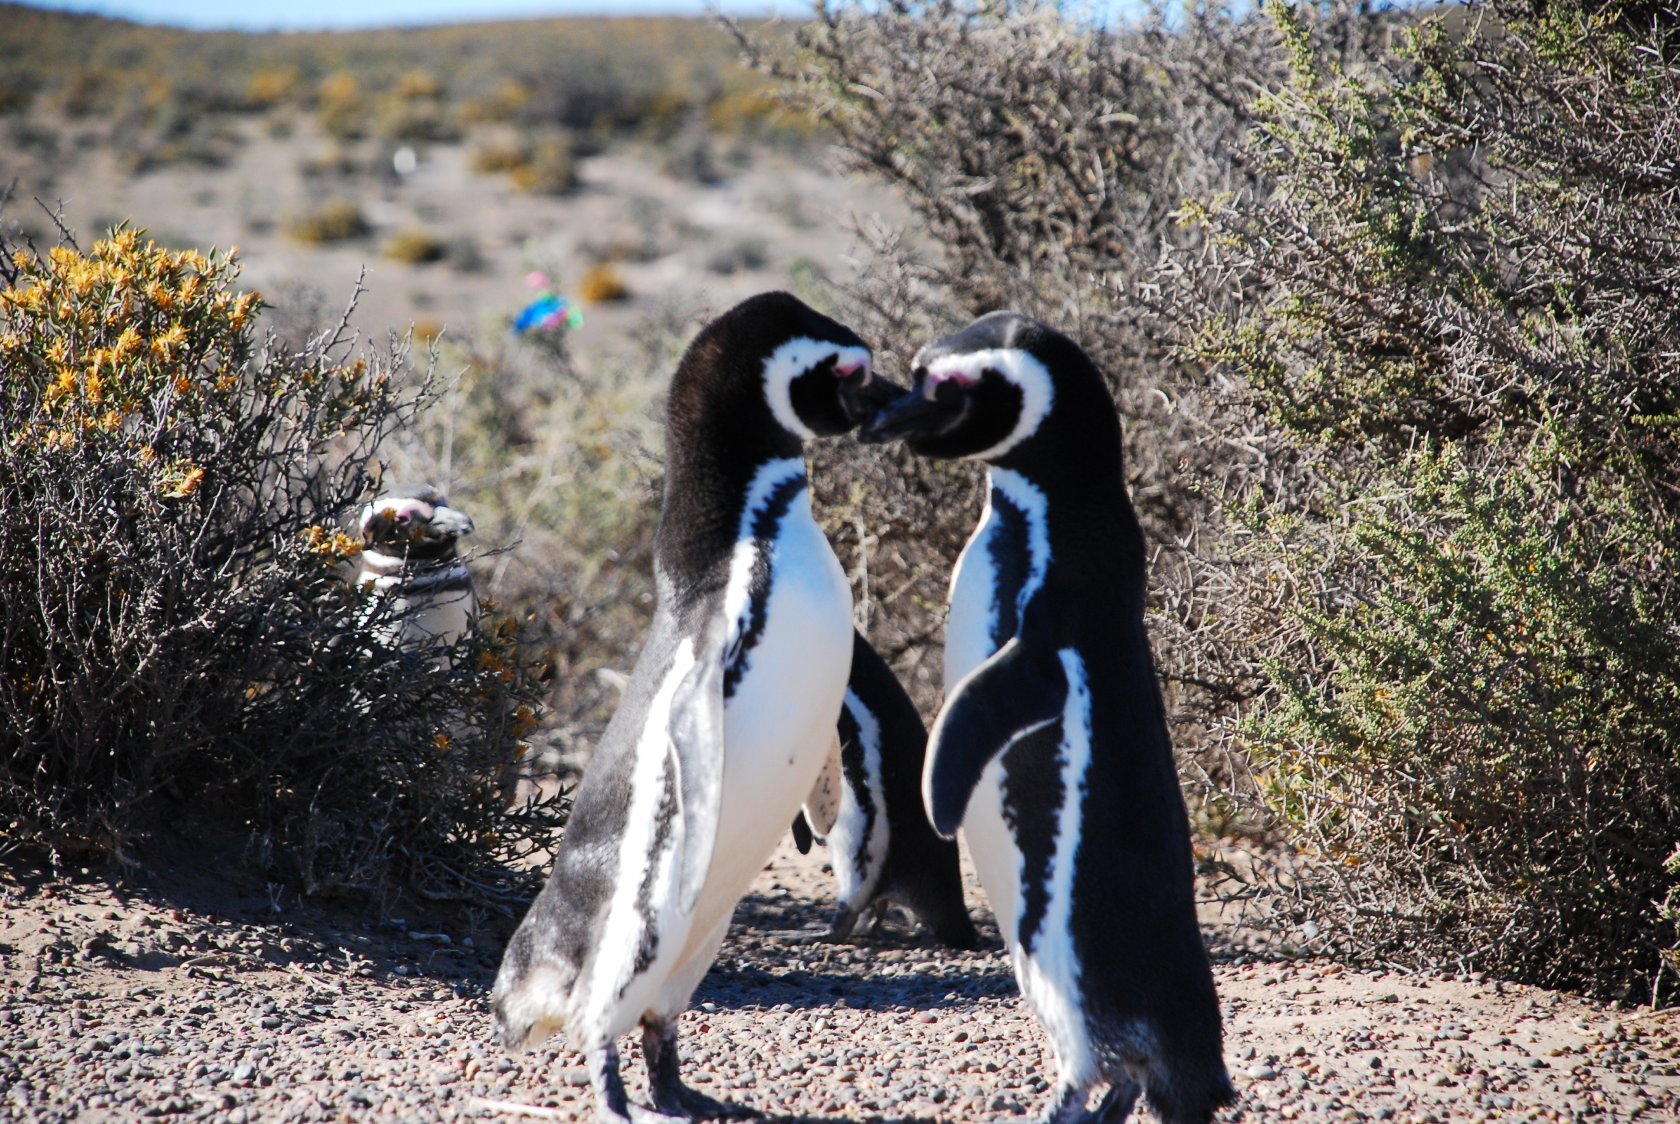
x: 164, y: 89
x: 1384, y: 295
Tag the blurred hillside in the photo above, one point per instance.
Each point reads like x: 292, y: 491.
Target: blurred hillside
x: 635, y: 161
x: 416, y: 83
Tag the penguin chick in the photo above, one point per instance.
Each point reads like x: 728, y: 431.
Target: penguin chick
x: 869, y: 807
x: 728, y: 715
x: 410, y: 535
x: 1051, y: 749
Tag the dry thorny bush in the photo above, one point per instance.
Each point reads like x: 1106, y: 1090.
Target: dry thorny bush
x: 182, y: 654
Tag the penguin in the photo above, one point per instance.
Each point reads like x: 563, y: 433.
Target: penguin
x: 728, y: 716
x: 1051, y: 747
x: 869, y: 807
x: 409, y: 556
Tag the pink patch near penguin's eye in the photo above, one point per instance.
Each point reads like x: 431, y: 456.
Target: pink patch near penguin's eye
x: 847, y: 370
x: 961, y: 378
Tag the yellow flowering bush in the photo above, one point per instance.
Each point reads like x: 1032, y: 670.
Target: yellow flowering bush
x: 178, y: 644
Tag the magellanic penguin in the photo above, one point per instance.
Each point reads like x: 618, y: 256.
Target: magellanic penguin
x: 1051, y: 747
x: 728, y: 716
x: 882, y: 848
x: 410, y: 560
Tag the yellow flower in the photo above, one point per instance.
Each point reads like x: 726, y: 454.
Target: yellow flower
x: 63, y: 384
x: 332, y: 544
x: 127, y: 344
x: 181, y: 479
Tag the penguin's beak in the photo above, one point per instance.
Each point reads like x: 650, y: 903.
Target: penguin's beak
x: 860, y: 398
x: 447, y: 522
x: 914, y: 413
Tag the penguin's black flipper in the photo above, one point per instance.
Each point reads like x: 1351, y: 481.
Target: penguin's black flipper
x: 1022, y: 688
x: 696, y: 739
x: 802, y: 837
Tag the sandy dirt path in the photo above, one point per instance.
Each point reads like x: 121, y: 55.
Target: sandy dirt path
x: 203, y: 1004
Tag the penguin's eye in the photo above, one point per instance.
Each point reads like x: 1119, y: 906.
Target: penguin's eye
x: 944, y: 385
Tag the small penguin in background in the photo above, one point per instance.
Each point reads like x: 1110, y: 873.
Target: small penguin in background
x: 869, y: 808
x: 728, y: 717
x: 410, y: 537
x: 1051, y: 748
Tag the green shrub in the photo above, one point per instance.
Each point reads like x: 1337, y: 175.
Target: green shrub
x: 1461, y: 332
x: 181, y: 653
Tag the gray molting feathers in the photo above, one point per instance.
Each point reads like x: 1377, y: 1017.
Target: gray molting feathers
x: 411, y: 563
x: 726, y: 718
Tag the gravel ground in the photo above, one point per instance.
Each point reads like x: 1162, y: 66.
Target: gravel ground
x: 193, y: 1001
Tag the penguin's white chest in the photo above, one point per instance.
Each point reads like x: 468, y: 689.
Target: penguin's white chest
x: 973, y: 611
x: 1003, y: 565
x: 779, y: 720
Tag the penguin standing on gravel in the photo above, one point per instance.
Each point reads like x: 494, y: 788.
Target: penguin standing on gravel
x: 870, y: 809
x: 410, y: 540
x: 1051, y: 749
x: 728, y: 716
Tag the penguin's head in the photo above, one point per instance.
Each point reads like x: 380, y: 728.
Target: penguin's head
x: 773, y: 354
x: 988, y: 391
x: 413, y: 522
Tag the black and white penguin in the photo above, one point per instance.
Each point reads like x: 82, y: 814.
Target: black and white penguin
x: 410, y: 559
x: 729, y: 714
x: 882, y: 848
x: 1051, y: 748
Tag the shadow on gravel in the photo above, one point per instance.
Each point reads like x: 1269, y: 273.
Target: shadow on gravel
x: 183, y: 913
x: 803, y: 989
x: 873, y: 1119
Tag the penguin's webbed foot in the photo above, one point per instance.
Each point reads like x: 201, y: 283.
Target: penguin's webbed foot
x: 1116, y: 1104
x: 612, y: 1104
x: 670, y: 1096
x: 839, y: 929
x: 1113, y: 1107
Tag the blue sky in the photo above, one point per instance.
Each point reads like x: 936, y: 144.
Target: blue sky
x: 303, y: 15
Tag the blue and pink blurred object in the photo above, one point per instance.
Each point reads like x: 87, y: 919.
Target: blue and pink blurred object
x: 549, y: 311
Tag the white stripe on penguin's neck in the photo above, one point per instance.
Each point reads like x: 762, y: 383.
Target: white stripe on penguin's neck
x: 1024, y: 494
x: 793, y: 359
x: 738, y: 594
x: 1038, y: 393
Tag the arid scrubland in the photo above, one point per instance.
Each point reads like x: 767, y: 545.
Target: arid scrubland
x: 1385, y: 298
